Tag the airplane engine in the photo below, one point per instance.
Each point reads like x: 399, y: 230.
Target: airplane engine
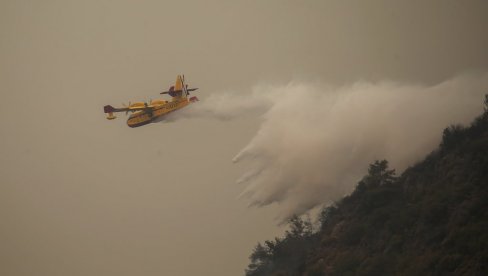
x: 155, y: 102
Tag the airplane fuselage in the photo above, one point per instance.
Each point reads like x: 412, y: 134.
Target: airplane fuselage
x: 147, y: 112
x: 153, y: 112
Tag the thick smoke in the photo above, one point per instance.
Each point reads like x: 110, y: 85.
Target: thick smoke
x: 315, y: 142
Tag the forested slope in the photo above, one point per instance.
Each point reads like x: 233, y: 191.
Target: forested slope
x: 430, y: 220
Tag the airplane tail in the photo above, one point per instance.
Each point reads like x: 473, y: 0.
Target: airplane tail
x: 110, y: 112
x: 179, y: 84
x: 180, y: 89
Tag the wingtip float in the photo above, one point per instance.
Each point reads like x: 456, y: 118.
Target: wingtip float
x: 144, y: 113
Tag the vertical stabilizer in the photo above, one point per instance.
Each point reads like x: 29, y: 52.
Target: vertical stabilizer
x: 178, y: 84
x: 180, y: 87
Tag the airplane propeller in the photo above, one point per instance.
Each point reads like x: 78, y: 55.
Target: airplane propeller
x: 184, y: 84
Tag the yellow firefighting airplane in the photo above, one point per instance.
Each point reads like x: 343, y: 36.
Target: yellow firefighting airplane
x: 143, y: 113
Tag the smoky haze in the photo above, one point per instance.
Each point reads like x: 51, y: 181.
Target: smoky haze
x: 80, y: 195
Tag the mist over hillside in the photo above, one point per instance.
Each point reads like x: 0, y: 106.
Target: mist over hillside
x: 316, y: 140
x: 429, y: 220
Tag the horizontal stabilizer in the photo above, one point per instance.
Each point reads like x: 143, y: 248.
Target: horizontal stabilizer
x: 108, y: 109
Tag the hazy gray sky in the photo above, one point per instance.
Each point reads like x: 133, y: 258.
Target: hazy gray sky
x: 81, y: 195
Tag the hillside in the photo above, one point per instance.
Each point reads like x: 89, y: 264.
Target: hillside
x: 430, y: 220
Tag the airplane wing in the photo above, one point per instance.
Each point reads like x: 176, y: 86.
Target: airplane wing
x: 110, y: 110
